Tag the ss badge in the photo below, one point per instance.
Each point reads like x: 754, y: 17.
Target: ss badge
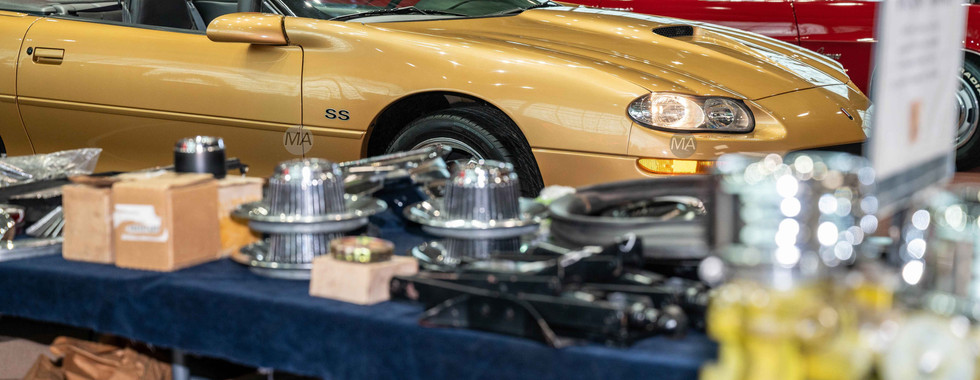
x: 337, y: 114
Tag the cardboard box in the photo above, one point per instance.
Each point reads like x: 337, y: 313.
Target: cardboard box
x: 232, y: 192
x: 88, y: 223
x: 358, y: 283
x: 87, y: 209
x: 166, y: 223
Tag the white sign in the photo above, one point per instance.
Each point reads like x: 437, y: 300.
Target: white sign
x: 140, y: 223
x: 918, y: 58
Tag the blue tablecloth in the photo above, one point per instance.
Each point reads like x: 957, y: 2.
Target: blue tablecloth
x: 221, y: 309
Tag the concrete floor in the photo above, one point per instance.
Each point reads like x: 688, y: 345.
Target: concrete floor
x: 23, y: 341
x: 18, y: 355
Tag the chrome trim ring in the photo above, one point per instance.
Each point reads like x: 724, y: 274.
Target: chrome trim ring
x: 429, y: 214
x: 252, y: 254
x: 456, y: 146
x: 358, y: 207
x: 968, y: 110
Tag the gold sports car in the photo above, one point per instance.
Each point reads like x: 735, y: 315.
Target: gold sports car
x: 571, y: 95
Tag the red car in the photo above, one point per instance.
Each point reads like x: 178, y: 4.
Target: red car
x: 842, y: 30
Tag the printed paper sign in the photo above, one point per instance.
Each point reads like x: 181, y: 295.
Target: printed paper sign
x: 918, y: 57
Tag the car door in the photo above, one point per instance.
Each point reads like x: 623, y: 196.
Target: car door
x: 769, y: 18
x: 14, y: 139
x: 843, y: 30
x: 133, y: 90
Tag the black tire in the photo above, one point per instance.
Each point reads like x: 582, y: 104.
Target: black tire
x: 968, y: 151
x: 488, y: 131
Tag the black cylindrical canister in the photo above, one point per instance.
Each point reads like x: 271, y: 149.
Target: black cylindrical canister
x: 200, y: 154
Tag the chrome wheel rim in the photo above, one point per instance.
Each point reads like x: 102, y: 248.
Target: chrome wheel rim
x: 968, y: 110
x: 460, y: 150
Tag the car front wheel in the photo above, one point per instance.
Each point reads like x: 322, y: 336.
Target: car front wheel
x: 968, y: 107
x: 474, y: 131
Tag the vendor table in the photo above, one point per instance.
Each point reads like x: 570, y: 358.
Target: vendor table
x: 220, y: 309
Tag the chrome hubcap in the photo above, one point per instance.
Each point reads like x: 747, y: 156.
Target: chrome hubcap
x: 461, y: 150
x: 968, y: 109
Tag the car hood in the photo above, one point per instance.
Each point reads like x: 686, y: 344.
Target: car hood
x: 686, y: 56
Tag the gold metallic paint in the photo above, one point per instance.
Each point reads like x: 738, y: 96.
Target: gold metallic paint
x: 565, y: 76
x: 335, y: 76
x: 136, y: 96
x: 258, y: 144
x: 139, y: 140
x: 581, y: 169
x: 15, y: 138
x: 12, y: 29
x: 253, y: 28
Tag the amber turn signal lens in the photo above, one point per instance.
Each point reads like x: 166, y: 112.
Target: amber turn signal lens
x: 671, y: 166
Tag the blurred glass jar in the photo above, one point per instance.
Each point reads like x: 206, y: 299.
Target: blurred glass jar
x: 939, y: 272
x: 781, y: 226
x: 940, y: 252
x: 785, y: 220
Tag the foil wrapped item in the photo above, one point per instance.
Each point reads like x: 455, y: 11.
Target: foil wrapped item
x: 19, y: 170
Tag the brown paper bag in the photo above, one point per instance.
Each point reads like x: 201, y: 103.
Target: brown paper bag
x: 84, y: 360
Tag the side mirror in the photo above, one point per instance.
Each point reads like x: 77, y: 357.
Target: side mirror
x: 250, y: 28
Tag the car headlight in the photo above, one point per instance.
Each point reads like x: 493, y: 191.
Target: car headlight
x: 683, y: 113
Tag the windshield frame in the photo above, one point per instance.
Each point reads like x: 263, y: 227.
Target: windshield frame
x: 364, y: 11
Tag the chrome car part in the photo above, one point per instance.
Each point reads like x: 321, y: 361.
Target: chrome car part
x: 968, y: 113
x: 200, y: 154
x: 304, y: 209
x: 481, y: 213
x: 669, y: 215
x: 424, y: 165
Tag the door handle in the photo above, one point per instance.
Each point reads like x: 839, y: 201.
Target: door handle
x: 50, y: 56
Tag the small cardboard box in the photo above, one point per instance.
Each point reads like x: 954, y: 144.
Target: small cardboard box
x: 358, y: 283
x: 166, y: 223
x: 88, y: 223
x: 232, y: 192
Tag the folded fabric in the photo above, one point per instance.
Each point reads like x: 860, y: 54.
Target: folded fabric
x: 84, y: 360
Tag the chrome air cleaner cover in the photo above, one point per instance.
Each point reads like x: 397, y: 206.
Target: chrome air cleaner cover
x: 304, y: 209
x: 482, y: 202
x: 482, y: 213
x: 307, y: 195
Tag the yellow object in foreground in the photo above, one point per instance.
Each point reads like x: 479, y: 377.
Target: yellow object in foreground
x: 792, y: 334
